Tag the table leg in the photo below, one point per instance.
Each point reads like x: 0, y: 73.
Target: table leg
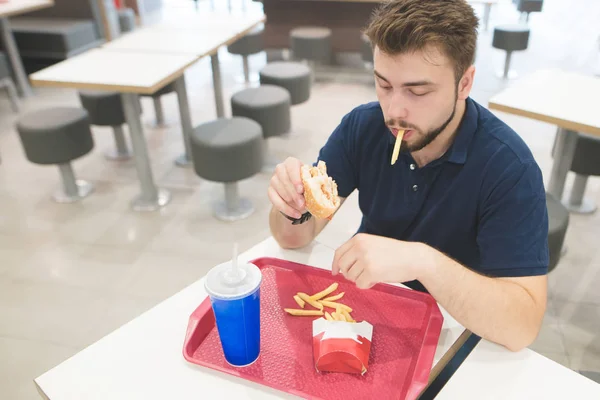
x: 151, y: 198
x: 563, y: 157
x: 15, y: 59
x: 486, y: 16
x: 186, y: 122
x: 217, y: 86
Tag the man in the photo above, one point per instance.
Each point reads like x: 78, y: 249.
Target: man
x: 462, y: 212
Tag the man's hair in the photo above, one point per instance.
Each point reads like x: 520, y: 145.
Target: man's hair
x: 404, y: 26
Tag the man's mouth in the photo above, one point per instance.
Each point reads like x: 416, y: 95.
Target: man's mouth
x: 407, y: 132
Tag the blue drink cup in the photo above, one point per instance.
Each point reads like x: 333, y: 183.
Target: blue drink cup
x: 235, y: 300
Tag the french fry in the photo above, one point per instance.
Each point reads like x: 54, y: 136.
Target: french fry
x: 334, y: 298
x: 346, y: 314
x: 332, y: 304
x: 310, y: 301
x: 303, y: 313
x: 397, y: 146
x: 318, y: 296
x: 342, y: 317
x: 328, y: 316
x: 299, y: 301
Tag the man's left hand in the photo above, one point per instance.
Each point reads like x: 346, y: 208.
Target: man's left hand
x: 369, y: 259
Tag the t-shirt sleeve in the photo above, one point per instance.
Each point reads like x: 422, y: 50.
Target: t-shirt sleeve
x: 339, y: 155
x: 513, y: 223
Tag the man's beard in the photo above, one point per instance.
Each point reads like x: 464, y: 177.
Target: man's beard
x: 425, y: 139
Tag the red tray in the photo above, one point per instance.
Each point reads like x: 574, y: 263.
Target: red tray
x: 406, y: 329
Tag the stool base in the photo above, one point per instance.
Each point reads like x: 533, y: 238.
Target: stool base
x: 162, y: 199
x: 84, y: 189
x: 585, y: 207
x: 244, y: 209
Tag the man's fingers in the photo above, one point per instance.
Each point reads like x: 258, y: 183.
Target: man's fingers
x: 364, y: 281
x: 354, y: 271
x: 338, y: 255
x: 282, y: 173
x: 281, y: 205
x: 347, y: 261
x: 293, y: 167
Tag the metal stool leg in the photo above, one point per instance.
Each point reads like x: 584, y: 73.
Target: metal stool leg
x: 233, y: 208
x: 121, y: 152
x: 577, y: 204
x: 73, y: 190
x: 11, y: 90
x: 248, y: 77
x: 158, y: 110
x: 507, y: 73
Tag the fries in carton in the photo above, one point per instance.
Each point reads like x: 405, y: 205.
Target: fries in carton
x: 340, y: 346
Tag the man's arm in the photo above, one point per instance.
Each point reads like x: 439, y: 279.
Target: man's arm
x: 295, y: 236
x: 508, y: 311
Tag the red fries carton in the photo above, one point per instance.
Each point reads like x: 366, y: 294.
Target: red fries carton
x: 340, y: 346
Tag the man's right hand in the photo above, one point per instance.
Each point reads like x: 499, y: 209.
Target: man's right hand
x: 286, y: 191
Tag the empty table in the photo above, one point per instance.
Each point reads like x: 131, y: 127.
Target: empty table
x: 130, y: 73
x: 566, y: 99
x: 16, y: 7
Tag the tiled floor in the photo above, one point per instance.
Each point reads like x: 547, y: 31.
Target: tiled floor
x: 70, y: 274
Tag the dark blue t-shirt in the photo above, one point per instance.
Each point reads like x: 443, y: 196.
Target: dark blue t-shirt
x: 483, y: 203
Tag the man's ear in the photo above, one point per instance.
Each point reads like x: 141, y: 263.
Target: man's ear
x: 466, y: 83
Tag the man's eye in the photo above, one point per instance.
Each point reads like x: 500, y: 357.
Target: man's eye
x: 418, y: 94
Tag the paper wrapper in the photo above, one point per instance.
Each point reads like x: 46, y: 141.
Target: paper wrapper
x: 341, y: 346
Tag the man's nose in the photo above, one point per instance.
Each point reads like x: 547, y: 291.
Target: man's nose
x: 397, y: 109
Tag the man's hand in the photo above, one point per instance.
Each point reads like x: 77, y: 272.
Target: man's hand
x: 369, y: 259
x: 286, y: 191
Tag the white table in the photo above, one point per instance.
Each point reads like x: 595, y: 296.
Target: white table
x: 569, y: 100
x: 492, y: 372
x: 198, y: 34
x: 143, y: 359
x: 130, y: 73
x: 16, y: 7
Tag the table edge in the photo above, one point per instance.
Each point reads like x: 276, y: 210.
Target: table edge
x: 27, y: 9
x: 562, y: 123
x: 37, y: 82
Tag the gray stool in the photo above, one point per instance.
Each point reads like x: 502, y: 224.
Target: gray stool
x: 528, y: 6
x: 366, y: 49
x: 269, y: 106
x: 311, y: 44
x: 558, y: 221
x: 126, y: 19
x: 293, y: 77
x: 251, y: 43
x: 227, y: 151
x: 57, y: 136
x: 510, y: 38
x: 106, y: 109
x: 158, y: 109
x: 585, y: 163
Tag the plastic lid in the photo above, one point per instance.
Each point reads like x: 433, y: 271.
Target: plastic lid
x: 222, y: 283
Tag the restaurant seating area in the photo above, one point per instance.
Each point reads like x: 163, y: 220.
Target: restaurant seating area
x: 122, y: 183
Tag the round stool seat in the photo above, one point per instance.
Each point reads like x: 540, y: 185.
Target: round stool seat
x: 293, y: 77
x: 55, y: 135
x: 311, y: 43
x: 558, y: 221
x: 511, y: 37
x: 104, y: 108
x: 268, y: 105
x: 126, y: 19
x: 530, y: 5
x: 366, y: 50
x: 251, y: 43
x: 227, y: 150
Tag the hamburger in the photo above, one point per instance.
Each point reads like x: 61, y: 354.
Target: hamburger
x: 320, y: 191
